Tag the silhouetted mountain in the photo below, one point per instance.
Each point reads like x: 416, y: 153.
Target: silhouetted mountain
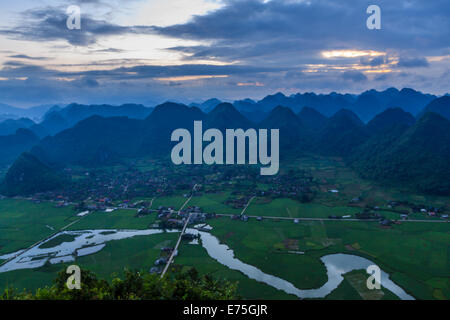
x: 371, y: 103
x: 292, y: 131
x: 391, y: 148
x: 39, y: 130
x: 92, y: 142
x: 37, y: 113
x: 440, y: 106
x: 12, y: 146
x: 74, y: 113
x: 248, y: 105
x: 57, y: 119
x: 53, y: 123
x: 255, y: 116
x: 4, y: 117
x: 97, y: 140
x: 327, y: 104
x: 272, y: 101
x: 10, y: 126
x: 209, y: 105
x: 313, y: 120
x: 34, y: 113
x: 366, y: 105
x: 28, y: 175
x: 342, y: 134
x: 417, y: 158
x: 7, y: 109
x: 251, y: 110
x: 166, y: 118
x: 225, y: 116
x: 388, y: 119
x: 174, y: 115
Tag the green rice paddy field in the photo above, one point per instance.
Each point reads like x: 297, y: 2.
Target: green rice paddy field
x: 415, y: 254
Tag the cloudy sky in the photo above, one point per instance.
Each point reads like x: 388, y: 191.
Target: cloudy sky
x: 149, y: 51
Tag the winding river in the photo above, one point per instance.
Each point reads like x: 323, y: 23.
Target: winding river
x: 92, y: 241
x: 336, y: 264
x: 84, y: 243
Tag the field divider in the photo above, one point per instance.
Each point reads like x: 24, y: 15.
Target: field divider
x: 328, y: 219
x: 40, y: 241
x: 247, y: 205
x: 175, y: 250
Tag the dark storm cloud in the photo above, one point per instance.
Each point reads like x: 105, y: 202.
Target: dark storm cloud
x: 413, y: 62
x: 277, y: 44
x: 142, y: 72
x: 14, y: 69
x: 355, y: 76
x: 374, y: 62
x: 25, y: 57
x: 319, y: 25
x: 50, y: 24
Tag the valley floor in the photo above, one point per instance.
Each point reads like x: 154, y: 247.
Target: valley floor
x: 415, y: 253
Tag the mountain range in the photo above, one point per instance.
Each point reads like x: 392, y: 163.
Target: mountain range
x: 53, y: 119
x: 34, y: 113
x: 393, y: 147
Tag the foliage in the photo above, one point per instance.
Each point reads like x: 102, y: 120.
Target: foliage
x: 28, y: 175
x: 417, y: 156
x: 135, y: 286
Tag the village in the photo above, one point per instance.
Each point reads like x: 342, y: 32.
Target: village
x: 129, y: 188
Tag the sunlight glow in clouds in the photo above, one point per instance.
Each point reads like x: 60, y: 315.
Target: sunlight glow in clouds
x: 169, y: 12
x: 351, y: 54
x: 150, y: 51
x: 191, y: 78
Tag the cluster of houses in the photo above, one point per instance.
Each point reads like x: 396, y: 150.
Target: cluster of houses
x: 239, y: 202
x: 430, y: 211
x: 173, y: 219
x: 101, y: 187
x: 162, y: 260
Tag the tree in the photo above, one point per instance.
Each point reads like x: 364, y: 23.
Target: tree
x: 135, y: 286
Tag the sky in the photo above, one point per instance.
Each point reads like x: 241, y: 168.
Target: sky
x: 150, y: 51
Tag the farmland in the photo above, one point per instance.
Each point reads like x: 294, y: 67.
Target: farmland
x: 415, y: 254
x: 22, y: 222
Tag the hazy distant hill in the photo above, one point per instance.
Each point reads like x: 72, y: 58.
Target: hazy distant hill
x: 11, y: 146
x: 272, y: 101
x: 10, y: 126
x: 34, y: 113
x: 4, y: 117
x: 209, y: 105
x: 58, y: 119
x: 7, y: 109
x: 371, y: 103
x: 440, y: 106
x: 173, y: 115
x: 392, y: 148
x: 53, y: 123
x: 251, y: 110
x: 366, y: 105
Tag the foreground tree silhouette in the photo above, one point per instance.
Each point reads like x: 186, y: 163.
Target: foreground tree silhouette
x: 135, y: 286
